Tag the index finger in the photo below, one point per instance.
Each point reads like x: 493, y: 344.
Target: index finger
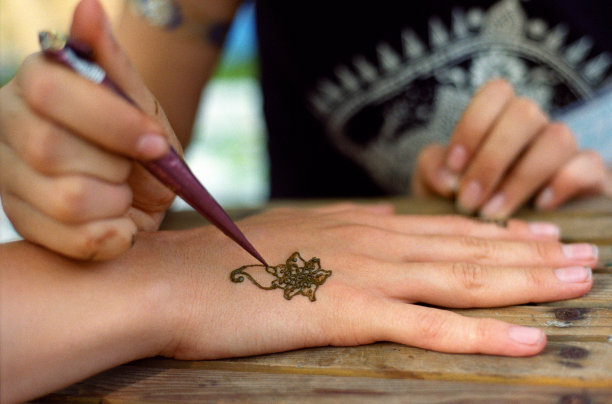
x: 476, y: 121
x: 90, y: 110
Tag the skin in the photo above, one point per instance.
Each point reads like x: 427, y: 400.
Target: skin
x: 63, y: 320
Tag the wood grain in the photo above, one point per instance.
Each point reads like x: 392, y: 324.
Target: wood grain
x: 137, y: 384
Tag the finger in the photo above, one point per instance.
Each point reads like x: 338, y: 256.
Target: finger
x: 520, y: 121
x: 456, y: 225
x: 91, y: 110
x: 583, y: 175
x: 396, y: 247
x: 52, y: 150
x: 71, y: 199
x: 99, y: 240
x: 554, y: 147
x: 431, y: 176
x: 477, y: 120
x: 445, y: 331
x: 468, y: 285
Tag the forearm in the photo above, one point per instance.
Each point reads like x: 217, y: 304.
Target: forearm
x: 64, y: 320
x: 176, y: 64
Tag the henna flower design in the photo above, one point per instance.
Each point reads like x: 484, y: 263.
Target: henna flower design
x: 295, y: 277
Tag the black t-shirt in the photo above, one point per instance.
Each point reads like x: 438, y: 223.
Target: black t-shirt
x: 353, y: 90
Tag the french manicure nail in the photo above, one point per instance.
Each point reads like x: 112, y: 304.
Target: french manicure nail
x: 526, y: 335
x: 574, y: 274
x: 457, y: 157
x: 493, y: 207
x: 545, y: 198
x: 580, y: 251
x: 448, y: 179
x: 544, y: 229
x: 151, y: 145
x: 469, y: 198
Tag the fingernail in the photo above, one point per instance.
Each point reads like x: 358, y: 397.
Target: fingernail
x: 544, y: 229
x: 151, y: 146
x: 574, y: 274
x: 493, y: 207
x: 580, y: 251
x: 545, y: 199
x: 448, y: 179
x: 526, y: 335
x: 457, y: 158
x: 469, y: 198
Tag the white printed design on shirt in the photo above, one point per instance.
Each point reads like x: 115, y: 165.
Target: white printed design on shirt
x: 381, y: 115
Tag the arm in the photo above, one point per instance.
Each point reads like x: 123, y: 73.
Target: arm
x: 176, y: 64
x: 63, y: 320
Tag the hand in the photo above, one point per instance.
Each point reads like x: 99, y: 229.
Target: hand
x: 505, y: 151
x: 64, y: 320
x: 382, y: 264
x: 68, y: 180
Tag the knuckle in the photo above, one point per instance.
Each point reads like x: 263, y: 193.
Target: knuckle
x: 433, y: 329
x: 40, y: 148
x: 470, y: 276
x: 535, y: 280
x: 70, y: 197
x: 529, y: 110
x: 481, y: 249
x: 542, y: 250
x: 38, y: 90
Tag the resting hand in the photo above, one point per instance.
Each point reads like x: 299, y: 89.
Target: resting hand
x: 382, y: 264
x: 504, y: 151
x: 67, y: 146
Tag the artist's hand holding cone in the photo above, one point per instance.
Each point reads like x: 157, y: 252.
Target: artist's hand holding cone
x: 67, y: 150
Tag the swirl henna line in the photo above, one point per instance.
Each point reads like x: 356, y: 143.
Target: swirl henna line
x: 292, y: 278
x: 237, y: 276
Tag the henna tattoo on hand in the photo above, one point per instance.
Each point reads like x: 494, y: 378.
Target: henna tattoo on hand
x: 291, y: 277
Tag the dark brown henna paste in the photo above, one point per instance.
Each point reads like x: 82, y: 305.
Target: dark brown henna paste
x: 291, y: 277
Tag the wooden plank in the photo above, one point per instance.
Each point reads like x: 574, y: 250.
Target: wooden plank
x: 572, y: 364
x: 139, y: 384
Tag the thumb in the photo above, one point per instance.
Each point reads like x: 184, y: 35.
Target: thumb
x: 91, y: 25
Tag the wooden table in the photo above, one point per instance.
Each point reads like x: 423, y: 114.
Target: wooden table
x: 575, y: 367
